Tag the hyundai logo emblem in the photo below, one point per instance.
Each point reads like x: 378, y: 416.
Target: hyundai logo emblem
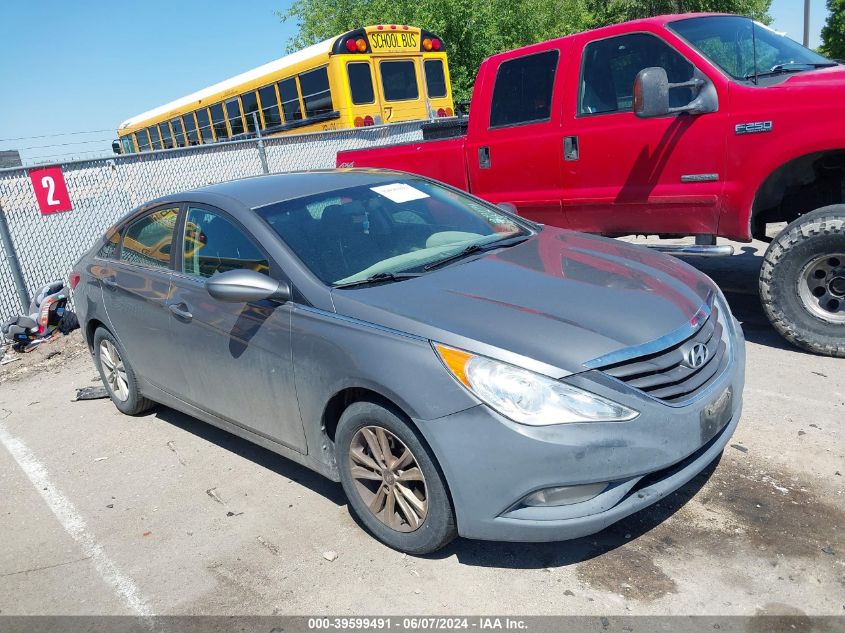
x: 697, y: 355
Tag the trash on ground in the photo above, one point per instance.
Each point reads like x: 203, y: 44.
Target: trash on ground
x: 740, y: 448
x: 91, y: 393
x: 100, y: 459
x: 233, y: 514
x: 211, y: 493
x: 172, y: 446
x: 330, y: 556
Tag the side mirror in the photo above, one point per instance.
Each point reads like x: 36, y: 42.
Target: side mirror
x: 651, y: 94
x: 246, y: 286
x: 115, y: 147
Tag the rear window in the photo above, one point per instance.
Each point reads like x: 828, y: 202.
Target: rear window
x: 399, y: 80
x: 435, y: 78
x: 360, y: 82
x: 148, y: 240
x: 523, y: 90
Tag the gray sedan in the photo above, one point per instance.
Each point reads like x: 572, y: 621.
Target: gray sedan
x: 458, y: 369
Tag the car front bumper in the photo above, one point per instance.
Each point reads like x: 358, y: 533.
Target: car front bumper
x: 491, y: 463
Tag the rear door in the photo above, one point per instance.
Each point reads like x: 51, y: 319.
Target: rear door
x: 236, y: 357
x: 136, y: 290
x: 400, y: 89
x: 514, y: 146
x: 632, y: 175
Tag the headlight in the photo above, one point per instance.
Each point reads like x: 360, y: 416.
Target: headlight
x: 527, y: 397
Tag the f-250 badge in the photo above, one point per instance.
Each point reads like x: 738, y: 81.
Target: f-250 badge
x: 753, y: 128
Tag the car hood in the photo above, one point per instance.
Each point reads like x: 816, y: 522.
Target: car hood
x: 560, y: 298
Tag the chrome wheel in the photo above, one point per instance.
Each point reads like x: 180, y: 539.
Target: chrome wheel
x: 114, y: 370
x: 822, y: 287
x: 388, y: 478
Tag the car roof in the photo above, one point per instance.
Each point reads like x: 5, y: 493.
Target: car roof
x: 259, y: 191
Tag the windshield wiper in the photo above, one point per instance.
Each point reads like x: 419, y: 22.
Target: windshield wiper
x: 790, y: 67
x: 378, y: 278
x: 477, y: 248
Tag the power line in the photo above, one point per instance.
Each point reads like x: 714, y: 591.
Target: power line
x: 24, y: 138
x: 96, y: 140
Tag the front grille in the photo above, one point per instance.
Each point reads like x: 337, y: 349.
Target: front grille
x: 666, y: 375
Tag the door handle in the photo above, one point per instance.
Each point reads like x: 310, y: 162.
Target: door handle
x: 570, y: 148
x: 484, y: 157
x: 109, y: 282
x: 180, y: 311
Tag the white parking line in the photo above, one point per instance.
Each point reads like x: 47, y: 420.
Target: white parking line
x: 74, y: 524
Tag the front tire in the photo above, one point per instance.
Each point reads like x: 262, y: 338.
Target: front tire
x: 802, y: 281
x: 392, y: 481
x: 117, y: 374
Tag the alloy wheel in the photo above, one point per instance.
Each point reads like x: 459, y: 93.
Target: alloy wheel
x: 822, y: 287
x: 388, y: 478
x: 114, y: 370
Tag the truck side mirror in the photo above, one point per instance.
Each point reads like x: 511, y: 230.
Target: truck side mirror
x: 651, y: 94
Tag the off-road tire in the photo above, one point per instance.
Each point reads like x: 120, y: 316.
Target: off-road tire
x: 438, y: 527
x: 806, y: 238
x: 135, y: 403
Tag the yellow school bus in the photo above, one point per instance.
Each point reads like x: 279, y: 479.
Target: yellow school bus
x: 370, y: 76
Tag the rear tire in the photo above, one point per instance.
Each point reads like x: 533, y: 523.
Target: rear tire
x: 117, y: 374
x: 802, y: 281
x: 401, y: 497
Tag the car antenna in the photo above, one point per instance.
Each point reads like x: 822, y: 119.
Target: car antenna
x: 754, y: 49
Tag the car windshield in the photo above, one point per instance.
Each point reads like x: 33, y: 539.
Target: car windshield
x: 746, y: 49
x: 386, y: 228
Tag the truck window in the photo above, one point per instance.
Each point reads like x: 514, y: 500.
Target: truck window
x: 523, y: 90
x: 610, y: 66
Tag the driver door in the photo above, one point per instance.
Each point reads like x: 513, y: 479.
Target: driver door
x: 631, y: 175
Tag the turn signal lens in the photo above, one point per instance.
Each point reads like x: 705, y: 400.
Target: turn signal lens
x: 351, y: 46
x: 450, y: 112
x: 73, y: 279
x: 359, y: 121
x: 361, y: 45
x: 427, y: 45
x: 455, y: 360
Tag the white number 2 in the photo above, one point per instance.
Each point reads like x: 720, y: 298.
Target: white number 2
x: 50, y: 185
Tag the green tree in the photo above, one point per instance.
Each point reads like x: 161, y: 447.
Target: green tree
x: 833, y: 33
x: 475, y: 29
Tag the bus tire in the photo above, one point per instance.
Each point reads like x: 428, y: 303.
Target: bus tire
x: 802, y: 281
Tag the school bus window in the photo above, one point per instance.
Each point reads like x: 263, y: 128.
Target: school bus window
x: 249, y: 100
x: 204, y: 126
x: 143, y: 140
x: 190, y: 129
x: 290, y: 99
x: 269, y: 106
x: 155, y: 139
x: 127, y: 144
x: 315, y: 92
x: 435, y: 78
x: 218, y: 123
x: 166, y: 140
x: 233, y: 113
x: 360, y: 82
x: 399, y: 80
x: 178, y: 133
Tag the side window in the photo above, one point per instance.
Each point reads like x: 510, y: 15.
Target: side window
x: 165, y: 135
x: 178, y: 134
x: 315, y: 92
x: 249, y: 100
x: 233, y: 113
x: 399, y: 80
x: 155, y: 139
x: 435, y: 78
x: 360, y: 82
x: 523, y: 90
x: 290, y: 99
x: 143, y: 139
x: 109, y: 248
x: 214, y: 245
x: 128, y: 148
x: 270, y: 106
x: 190, y: 129
x: 204, y: 126
x: 218, y: 122
x: 147, y: 241
x: 610, y: 67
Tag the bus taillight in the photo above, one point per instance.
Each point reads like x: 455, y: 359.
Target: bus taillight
x: 364, y: 121
x: 358, y: 45
x: 435, y: 44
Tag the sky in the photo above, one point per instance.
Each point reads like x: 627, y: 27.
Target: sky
x: 72, y: 71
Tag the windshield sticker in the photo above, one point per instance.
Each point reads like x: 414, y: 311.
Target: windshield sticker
x: 399, y: 192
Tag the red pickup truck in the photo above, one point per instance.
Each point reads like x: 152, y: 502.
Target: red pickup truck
x: 698, y: 125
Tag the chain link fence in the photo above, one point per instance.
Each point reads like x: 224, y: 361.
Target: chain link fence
x: 45, y: 247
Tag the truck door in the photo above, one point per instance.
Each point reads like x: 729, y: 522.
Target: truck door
x: 514, y: 149
x: 630, y: 175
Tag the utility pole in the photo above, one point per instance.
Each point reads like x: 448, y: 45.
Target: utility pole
x: 807, y: 23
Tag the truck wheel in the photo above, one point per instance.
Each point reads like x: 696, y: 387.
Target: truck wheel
x: 802, y: 281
